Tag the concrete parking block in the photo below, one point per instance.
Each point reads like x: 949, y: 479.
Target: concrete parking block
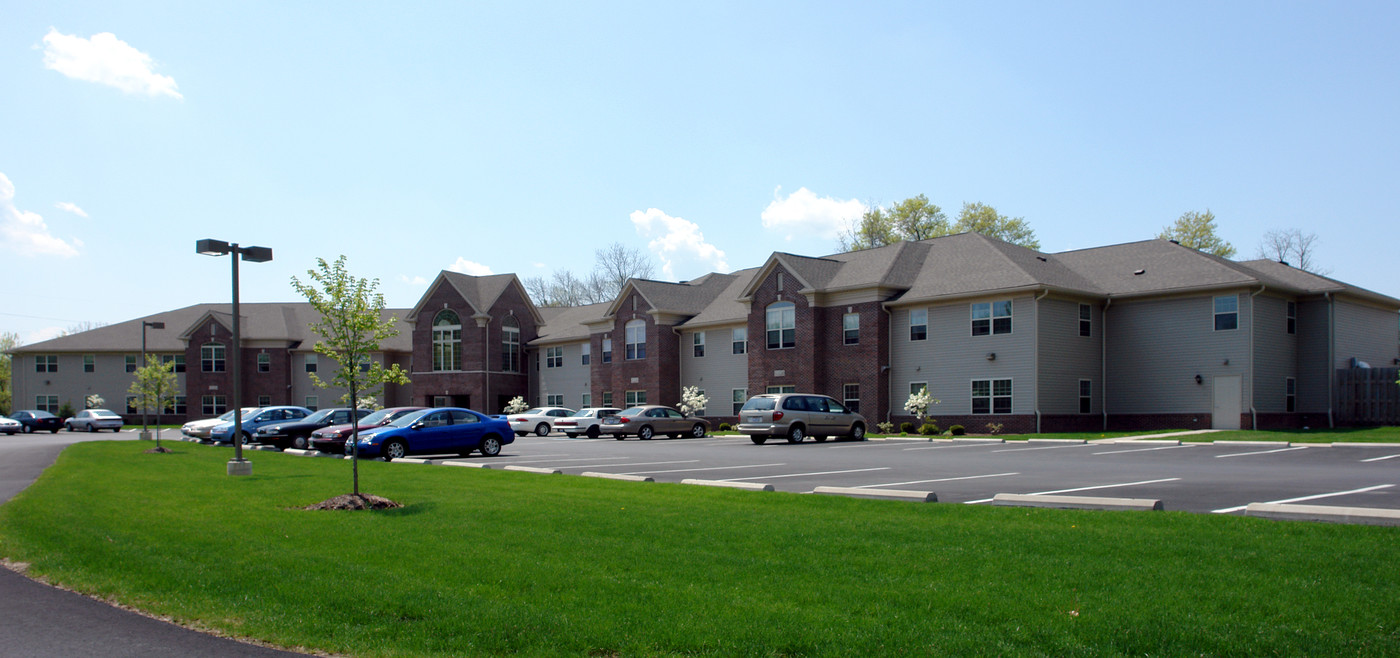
x: 535, y: 469
x: 896, y: 494
x: 751, y: 486
x: 978, y: 440
x: 1076, y: 502
x: 1063, y: 441
x: 262, y: 448
x: 301, y: 453
x: 1260, y: 444
x: 464, y: 464
x: 1146, y: 442
x: 619, y: 476
x: 410, y: 460
x: 1395, y: 446
x: 1357, y: 515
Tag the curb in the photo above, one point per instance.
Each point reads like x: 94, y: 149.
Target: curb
x: 1076, y: 502
x: 1261, y: 444
x: 751, y: 486
x: 918, y: 496
x: 453, y: 462
x: 1063, y: 441
x: 1362, y: 445
x: 1146, y: 442
x: 617, y: 476
x: 979, y: 440
x: 1356, y: 515
x: 410, y: 460
x: 535, y: 469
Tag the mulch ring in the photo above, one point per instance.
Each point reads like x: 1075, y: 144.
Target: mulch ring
x: 160, y: 449
x: 354, y: 502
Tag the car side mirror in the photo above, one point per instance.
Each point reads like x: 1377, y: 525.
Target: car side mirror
x: 417, y: 426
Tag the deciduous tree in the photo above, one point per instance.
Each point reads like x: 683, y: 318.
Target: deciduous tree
x: 978, y: 217
x: 8, y: 341
x: 1197, y: 231
x: 1291, y: 246
x: 155, y: 387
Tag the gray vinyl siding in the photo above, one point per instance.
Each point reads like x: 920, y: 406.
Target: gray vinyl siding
x: 951, y: 357
x: 1313, y: 369
x: 1275, y: 352
x: 717, y: 373
x: 571, y: 380
x: 1157, y: 347
x: 1366, y: 333
x: 109, y: 379
x: 1066, y: 357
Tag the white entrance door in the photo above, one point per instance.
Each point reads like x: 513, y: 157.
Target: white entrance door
x: 1225, y: 413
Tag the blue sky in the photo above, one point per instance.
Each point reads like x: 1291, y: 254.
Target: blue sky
x: 520, y: 137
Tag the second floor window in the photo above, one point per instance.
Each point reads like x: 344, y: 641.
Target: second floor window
x: 918, y: 324
x: 46, y: 363
x: 740, y: 340
x: 587, y: 352
x: 991, y: 318
x: 211, y: 357
x: 447, y: 341
x: 636, y: 335
x: 782, y: 325
x: 510, y: 344
x: 554, y: 358
x: 1086, y: 320
x: 850, y: 328
x: 1227, y: 313
x: 699, y: 346
x: 264, y: 362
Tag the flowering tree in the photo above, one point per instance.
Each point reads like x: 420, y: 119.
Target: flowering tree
x: 516, y: 405
x: 94, y: 401
x: 692, y: 400
x: 918, y: 404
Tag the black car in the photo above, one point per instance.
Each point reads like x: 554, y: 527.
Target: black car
x: 297, y: 433
x: 37, y: 421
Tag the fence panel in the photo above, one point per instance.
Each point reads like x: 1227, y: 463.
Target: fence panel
x: 1368, y: 396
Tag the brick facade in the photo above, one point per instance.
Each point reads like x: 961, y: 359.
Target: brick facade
x: 478, y: 381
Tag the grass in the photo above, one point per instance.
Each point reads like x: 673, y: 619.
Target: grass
x: 493, y: 562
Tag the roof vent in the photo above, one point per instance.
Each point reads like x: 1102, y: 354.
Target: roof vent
x: 1284, y: 263
x: 1175, y: 242
x: 1041, y: 259
x: 1139, y: 272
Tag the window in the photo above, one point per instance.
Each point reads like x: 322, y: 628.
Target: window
x: 1290, y: 394
x: 177, y: 359
x: 89, y: 363
x: 1227, y: 313
x: 587, y: 351
x: 46, y: 363
x: 1086, y: 320
x: 740, y: 340
x: 991, y: 318
x: 635, y: 398
x: 510, y: 344
x: 554, y: 358
x: 636, y: 339
x: 442, y: 401
x: 211, y: 357
x: 447, y: 341
x: 918, y: 324
x: 850, y: 396
x: 782, y: 325
x: 176, y: 406
x: 312, y: 402
x: 47, y: 403
x: 701, y: 410
x: 1086, y: 396
x: 607, y: 350
x: 607, y: 398
x: 915, y: 387
x: 310, y: 363
x: 264, y: 362
x: 1292, y: 317
x: 131, y: 363
x: 991, y: 396
x: 782, y: 389
x: 266, y: 401
x: 586, y: 401
x: 554, y: 400
x: 780, y: 281
x: 850, y: 328
x: 213, y: 405
x: 131, y: 405
x: 699, y: 344
x: 366, y: 363
x: 741, y: 395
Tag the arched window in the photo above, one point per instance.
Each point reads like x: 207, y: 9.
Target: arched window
x: 510, y: 344
x: 447, y: 341
x: 636, y: 332
x: 211, y: 357
x: 782, y: 325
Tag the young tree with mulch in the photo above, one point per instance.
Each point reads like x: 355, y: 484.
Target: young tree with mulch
x: 155, y: 388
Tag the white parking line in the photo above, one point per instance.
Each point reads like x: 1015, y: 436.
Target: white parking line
x: 1071, y: 445
x: 968, y: 477
x: 1334, y: 494
x: 1101, y: 486
x: 683, y: 461
x: 1116, y: 452
x: 1261, y: 452
x: 1377, y: 459
x: 713, y: 468
x: 536, y: 461
x: 798, y: 475
x: 945, y: 446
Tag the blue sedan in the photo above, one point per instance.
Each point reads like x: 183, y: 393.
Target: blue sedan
x: 435, y: 432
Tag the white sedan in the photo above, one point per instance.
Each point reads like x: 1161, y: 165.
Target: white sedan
x: 584, y: 421
x: 200, y: 429
x: 10, y: 426
x: 539, y: 420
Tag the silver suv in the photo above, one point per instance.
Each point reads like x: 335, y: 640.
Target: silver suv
x: 798, y: 415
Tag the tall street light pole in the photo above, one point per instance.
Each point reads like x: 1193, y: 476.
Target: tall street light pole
x: 145, y: 431
x: 238, y: 465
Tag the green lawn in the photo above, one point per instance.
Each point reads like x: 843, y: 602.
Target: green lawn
x: 495, y: 562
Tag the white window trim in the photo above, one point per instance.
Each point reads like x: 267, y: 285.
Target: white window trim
x: 992, y: 317
x: 913, y: 324
x: 1216, y: 312
x: 992, y: 396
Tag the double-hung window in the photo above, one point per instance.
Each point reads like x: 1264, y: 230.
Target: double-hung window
x: 311, y: 363
x: 699, y: 345
x: 264, y: 362
x: 636, y: 337
x: 850, y: 329
x: 782, y: 325
x: 1086, y: 396
x: 991, y: 396
x: 89, y: 363
x: 554, y: 358
x: 131, y: 363
x: 850, y: 396
x: 607, y: 350
x: 178, y: 361
x: 1290, y: 394
x: 1086, y: 320
x: 739, y: 396
x: 634, y: 398
x: 1227, y: 313
x: 213, y: 405
x: 587, y: 355
x: 991, y: 318
x: 918, y: 324
x: 46, y: 363
x: 554, y: 399
x: 211, y: 358
x: 740, y: 340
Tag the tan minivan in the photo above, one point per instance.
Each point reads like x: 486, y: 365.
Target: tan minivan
x: 796, y: 416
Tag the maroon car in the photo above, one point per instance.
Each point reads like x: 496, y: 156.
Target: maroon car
x: 332, y: 439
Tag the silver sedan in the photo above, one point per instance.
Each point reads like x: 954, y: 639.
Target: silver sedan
x: 649, y: 420
x: 92, y: 420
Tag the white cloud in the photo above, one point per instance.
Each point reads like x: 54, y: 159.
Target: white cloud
x: 468, y: 267
x: 107, y: 60
x: 413, y: 280
x: 25, y: 232
x: 676, y: 238
x: 71, y: 207
x: 41, y: 335
x: 804, y: 214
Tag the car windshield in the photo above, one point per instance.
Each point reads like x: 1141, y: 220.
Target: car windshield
x: 583, y: 413
x: 319, y: 416
x: 408, y: 419
x: 376, y: 417
x: 760, y: 404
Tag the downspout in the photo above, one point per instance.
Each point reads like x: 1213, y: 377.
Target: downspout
x: 1331, y: 371
x: 1103, y: 362
x: 1253, y: 413
x: 1035, y: 358
x: 486, y: 362
x: 680, y: 362
x: 888, y: 367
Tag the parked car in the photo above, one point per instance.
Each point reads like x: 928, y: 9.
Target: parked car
x: 332, y: 439
x: 93, y: 420
x: 199, y: 429
x: 33, y: 420
x: 584, y: 421
x: 796, y: 416
x: 649, y: 420
x: 450, y: 430
x: 10, y: 426
x: 297, y: 433
x: 539, y: 420
x: 223, y: 432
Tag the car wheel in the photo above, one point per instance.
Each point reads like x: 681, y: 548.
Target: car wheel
x: 698, y: 431
x: 592, y: 432
x: 68, y: 426
x: 28, y: 429
x: 645, y: 433
x: 394, y: 450
x: 299, y: 443
x: 620, y: 437
x: 857, y: 432
x: 247, y: 439
x: 819, y: 439
x: 796, y: 434
x: 542, y: 429
x: 759, y: 439
x: 53, y: 431
x: 491, y: 446
x: 92, y: 429
x: 571, y: 435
